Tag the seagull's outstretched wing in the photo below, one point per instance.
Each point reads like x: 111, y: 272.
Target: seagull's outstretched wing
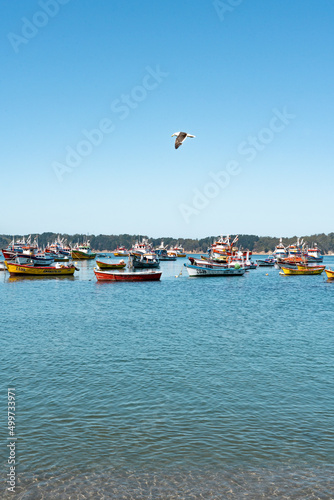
x: 180, y: 138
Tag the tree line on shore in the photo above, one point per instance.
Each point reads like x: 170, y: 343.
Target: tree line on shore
x: 104, y: 242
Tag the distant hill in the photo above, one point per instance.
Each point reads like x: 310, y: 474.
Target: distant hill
x: 110, y: 242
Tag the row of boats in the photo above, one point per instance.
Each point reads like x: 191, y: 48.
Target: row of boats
x: 223, y: 259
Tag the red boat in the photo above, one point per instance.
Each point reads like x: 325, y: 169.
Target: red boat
x: 127, y: 276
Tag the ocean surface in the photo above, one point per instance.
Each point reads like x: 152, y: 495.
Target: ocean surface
x: 212, y: 388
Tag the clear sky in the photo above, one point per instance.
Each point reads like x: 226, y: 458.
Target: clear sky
x: 92, y: 90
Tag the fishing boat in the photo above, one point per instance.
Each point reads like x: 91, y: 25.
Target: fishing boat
x: 121, y: 252
x: 2, y: 266
x: 35, y: 259
x: 31, y: 270
x: 162, y: 253
x: 205, y: 269
x: 313, y: 254
x: 177, y: 251
x: 105, y: 275
x: 111, y: 265
x: 302, y: 270
x: 280, y: 250
x: 330, y: 274
x: 268, y: 262
x: 83, y: 252
x: 143, y: 261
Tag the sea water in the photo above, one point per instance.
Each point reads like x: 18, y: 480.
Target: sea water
x: 185, y: 388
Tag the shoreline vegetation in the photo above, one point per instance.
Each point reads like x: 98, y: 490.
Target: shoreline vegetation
x: 107, y: 243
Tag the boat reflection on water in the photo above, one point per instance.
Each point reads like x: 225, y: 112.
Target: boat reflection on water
x: 25, y: 277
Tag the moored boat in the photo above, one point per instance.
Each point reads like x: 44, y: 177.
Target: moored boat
x: 83, y: 252
x: 302, y: 270
x: 208, y: 270
x: 143, y: 261
x: 31, y: 270
x: 177, y: 251
x: 329, y: 274
x: 162, y: 253
x: 105, y: 275
x: 313, y: 254
x: 111, y: 265
x: 269, y: 262
x: 280, y: 250
x: 121, y: 252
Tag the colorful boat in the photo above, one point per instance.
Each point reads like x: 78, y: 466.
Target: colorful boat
x: 177, y: 251
x: 121, y: 252
x: 162, y: 253
x: 30, y: 270
x: 127, y: 275
x: 330, y: 274
x: 83, y: 252
x: 302, y: 270
x: 313, y: 254
x: 280, y: 250
x: 111, y: 265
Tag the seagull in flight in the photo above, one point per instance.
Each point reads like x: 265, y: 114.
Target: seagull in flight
x: 180, y: 137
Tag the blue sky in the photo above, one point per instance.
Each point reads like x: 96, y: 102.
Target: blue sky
x: 91, y: 92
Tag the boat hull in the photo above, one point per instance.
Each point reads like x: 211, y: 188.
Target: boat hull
x: 28, y: 270
x: 197, y: 271
x: 126, y: 276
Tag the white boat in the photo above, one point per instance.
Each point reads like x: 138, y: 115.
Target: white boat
x: 314, y: 254
x: 214, y: 270
x: 280, y: 250
x: 2, y: 266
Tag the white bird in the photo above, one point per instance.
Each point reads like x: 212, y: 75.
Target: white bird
x: 181, y: 136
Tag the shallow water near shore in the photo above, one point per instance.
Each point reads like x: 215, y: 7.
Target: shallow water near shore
x: 184, y: 388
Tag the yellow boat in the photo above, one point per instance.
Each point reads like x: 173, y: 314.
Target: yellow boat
x: 111, y: 265
x: 330, y: 274
x: 29, y: 270
x: 302, y: 270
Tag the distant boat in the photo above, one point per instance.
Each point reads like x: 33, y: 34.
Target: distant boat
x: 177, y: 251
x: 121, y: 252
x: 269, y: 262
x: 106, y: 275
x: 280, y: 251
x: 111, y: 265
x: 143, y: 261
x: 313, y: 254
x: 31, y: 270
x: 83, y: 252
x: 162, y: 253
